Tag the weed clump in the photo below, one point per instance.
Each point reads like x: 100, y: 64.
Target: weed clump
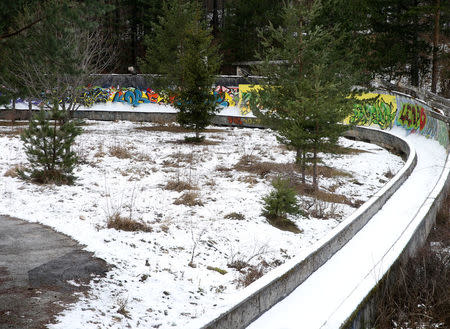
x: 120, y: 152
x: 235, y: 216
x: 121, y: 223
x: 189, y: 199
x: 179, y: 185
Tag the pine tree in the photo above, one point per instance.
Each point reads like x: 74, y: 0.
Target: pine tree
x: 243, y: 19
x: 308, y: 85
x: 51, y: 60
x: 49, y: 148
x: 182, y: 53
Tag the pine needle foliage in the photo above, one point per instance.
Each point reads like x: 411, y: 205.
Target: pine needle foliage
x: 48, y: 144
x: 308, y: 87
x: 182, y: 54
x: 281, y: 201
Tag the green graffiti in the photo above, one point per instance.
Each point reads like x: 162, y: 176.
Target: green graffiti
x: 412, y: 117
x: 378, y: 113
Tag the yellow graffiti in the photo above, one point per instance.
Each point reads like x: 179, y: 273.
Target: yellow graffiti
x: 380, y: 111
x: 245, y: 96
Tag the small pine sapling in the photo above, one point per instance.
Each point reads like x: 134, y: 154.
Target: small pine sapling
x: 49, y: 148
x: 281, y: 201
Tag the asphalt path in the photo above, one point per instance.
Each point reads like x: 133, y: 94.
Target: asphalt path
x: 35, y: 265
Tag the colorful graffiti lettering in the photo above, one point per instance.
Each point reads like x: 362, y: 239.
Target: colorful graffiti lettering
x: 235, y: 121
x: 411, y: 117
x: 379, y: 113
x: 414, y: 118
x: 245, y: 95
x: 226, y: 96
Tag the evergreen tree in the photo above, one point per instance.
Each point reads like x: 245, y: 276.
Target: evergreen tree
x: 308, y: 86
x: 182, y: 53
x: 51, y: 61
x: 397, y: 39
x: 49, y: 148
x: 243, y: 19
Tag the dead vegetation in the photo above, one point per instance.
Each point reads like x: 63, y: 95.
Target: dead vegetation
x: 189, y: 199
x: 283, y: 224
x: 12, y: 132
x: 179, y: 185
x: 173, y: 128
x: 120, y: 151
x: 234, y: 216
x: 14, y: 171
x: 123, y: 223
x: 252, y: 164
x: 419, y: 296
x: 16, y: 123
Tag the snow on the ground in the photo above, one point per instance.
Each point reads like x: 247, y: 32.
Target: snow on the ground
x: 330, y: 295
x: 151, y: 278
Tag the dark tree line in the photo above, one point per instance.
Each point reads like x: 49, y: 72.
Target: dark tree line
x: 400, y: 40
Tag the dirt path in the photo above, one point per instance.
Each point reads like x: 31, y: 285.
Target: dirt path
x: 35, y: 263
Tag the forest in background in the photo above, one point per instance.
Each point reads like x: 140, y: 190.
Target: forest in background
x: 399, y: 40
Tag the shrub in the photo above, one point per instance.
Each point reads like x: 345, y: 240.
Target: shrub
x: 281, y: 201
x: 49, y: 148
x: 121, y: 223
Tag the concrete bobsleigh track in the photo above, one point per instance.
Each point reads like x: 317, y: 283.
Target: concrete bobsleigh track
x: 330, y: 284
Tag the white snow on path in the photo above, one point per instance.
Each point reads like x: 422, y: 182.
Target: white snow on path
x: 334, y: 291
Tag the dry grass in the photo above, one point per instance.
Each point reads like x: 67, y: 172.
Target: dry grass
x: 12, y: 132
x: 128, y: 224
x: 4, y: 123
x: 120, y: 152
x: 420, y: 295
x: 251, y: 180
x: 346, y: 150
x: 322, y: 210
x: 179, y: 185
x: 204, y: 142
x: 189, y: 199
x: 251, y: 163
x: 172, y: 128
x: 389, y: 174
x: 305, y: 189
x: 13, y: 171
x: 249, y: 275
x: 328, y: 172
x: 183, y: 157
x: 283, y: 224
x: 235, y: 216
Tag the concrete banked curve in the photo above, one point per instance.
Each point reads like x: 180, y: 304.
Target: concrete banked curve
x: 328, y: 284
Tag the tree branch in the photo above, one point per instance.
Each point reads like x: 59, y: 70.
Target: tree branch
x: 11, y: 34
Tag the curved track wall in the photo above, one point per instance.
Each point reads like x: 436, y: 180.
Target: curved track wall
x: 387, y: 110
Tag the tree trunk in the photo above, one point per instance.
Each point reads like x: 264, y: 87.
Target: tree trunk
x: 134, y: 35
x: 434, y: 72
x: 300, y: 160
x: 215, y: 20
x: 414, y: 71
x: 315, y: 178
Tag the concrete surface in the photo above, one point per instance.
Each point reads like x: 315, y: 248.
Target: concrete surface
x: 35, y: 263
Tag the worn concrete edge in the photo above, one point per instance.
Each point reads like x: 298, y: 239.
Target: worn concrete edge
x: 416, y: 235
x: 263, y: 294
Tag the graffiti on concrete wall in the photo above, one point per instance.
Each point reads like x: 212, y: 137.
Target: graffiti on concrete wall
x: 224, y: 96
x: 411, y: 117
x: 385, y: 111
x: 374, y: 110
x: 415, y: 118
